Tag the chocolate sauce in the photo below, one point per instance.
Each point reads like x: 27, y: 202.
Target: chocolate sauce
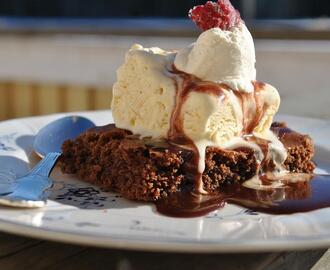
x: 176, y: 133
x: 266, y: 164
x: 309, y: 193
x: 255, y: 112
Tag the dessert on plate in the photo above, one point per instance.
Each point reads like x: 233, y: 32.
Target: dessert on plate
x: 194, y: 127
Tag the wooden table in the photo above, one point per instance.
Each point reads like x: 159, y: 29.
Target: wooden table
x: 25, y: 253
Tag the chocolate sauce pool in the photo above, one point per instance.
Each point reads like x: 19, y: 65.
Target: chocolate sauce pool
x: 309, y: 193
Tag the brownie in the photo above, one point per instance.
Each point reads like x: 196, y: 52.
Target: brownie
x: 141, y: 169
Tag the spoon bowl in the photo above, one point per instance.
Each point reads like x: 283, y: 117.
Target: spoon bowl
x: 51, y: 137
x: 30, y: 191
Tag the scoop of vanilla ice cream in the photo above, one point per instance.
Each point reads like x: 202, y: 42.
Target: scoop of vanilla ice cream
x: 221, y: 56
x: 143, y: 96
x: 212, y: 118
x: 220, y: 119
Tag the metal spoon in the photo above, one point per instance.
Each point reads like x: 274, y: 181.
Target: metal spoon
x: 30, y: 190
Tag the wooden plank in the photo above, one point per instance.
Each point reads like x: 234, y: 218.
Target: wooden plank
x: 115, y: 259
x: 48, y: 99
x: 77, y: 98
x: 62, y: 99
x: 299, y: 260
x: 20, y: 252
x: 9, y: 93
x: 41, y: 256
x: 22, y: 99
x: 323, y: 263
x: 11, y: 244
x: 93, y: 259
x: 103, y: 98
x: 3, y: 101
x: 91, y: 98
x: 35, y: 98
x: 19, y: 99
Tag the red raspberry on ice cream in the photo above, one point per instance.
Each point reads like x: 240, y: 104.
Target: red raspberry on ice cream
x: 215, y: 14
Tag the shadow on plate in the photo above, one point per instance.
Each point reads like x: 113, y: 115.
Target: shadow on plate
x: 13, y: 166
x: 25, y: 142
x: 322, y: 159
x: 10, y: 169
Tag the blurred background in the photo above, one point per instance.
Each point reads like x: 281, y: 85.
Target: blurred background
x: 62, y: 55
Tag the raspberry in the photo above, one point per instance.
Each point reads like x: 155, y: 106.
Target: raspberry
x: 215, y: 14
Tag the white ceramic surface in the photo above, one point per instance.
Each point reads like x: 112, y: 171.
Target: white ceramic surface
x: 80, y: 213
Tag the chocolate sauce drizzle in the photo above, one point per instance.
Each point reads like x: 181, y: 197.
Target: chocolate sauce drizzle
x: 191, y: 84
x: 252, y: 115
x: 176, y: 132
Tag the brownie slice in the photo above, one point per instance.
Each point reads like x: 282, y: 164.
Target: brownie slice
x: 119, y: 161
x: 300, y: 148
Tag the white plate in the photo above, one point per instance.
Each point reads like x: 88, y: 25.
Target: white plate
x: 80, y: 213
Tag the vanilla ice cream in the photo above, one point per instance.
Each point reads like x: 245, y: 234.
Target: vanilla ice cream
x: 221, y: 56
x: 219, y: 119
x: 144, y: 96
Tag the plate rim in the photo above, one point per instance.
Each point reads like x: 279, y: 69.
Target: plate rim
x: 161, y: 246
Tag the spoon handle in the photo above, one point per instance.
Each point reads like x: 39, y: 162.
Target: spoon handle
x: 45, y: 166
x: 30, y: 191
